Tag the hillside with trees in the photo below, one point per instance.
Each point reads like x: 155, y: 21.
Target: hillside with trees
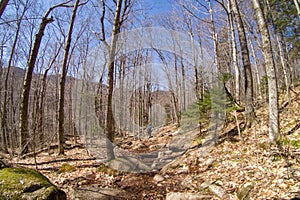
x: 136, y: 99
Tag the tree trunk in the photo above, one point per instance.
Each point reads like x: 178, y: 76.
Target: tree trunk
x: 282, y: 53
x: 271, y: 73
x: 111, y: 68
x: 215, y: 37
x: 249, y: 109
x: 296, y: 2
x: 24, y: 131
x: 234, y: 54
x: 23, y: 127
x: 5, y: 104
x: 3, y: 5
x: 61, y: 115
x: 256, y: 71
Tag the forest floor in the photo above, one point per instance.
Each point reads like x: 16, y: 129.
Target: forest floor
x: 266, y: 171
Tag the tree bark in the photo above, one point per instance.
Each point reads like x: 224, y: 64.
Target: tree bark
x: 111, y: 68
x: 234, y: 54
x: 249, y: 109
x: 24, y: 131
x: 3, y: 5
x: 23, y: 126
x: 215, y: 37
x: 296, y: 2
x: 61, y: 115
x: 271, y: 73
x: 4, y: 124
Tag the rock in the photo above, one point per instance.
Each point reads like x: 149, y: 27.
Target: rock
x: 96, y: 193
x: 128, y: 164
x: 160, y: 155
x: 206, y: 184
x: 158, y: 178
x: 185, y: 169
x: 27, y: 184
x: 210, y: 162
x: 172, y: 165
x: 214, y: 186
x: 217, y: 190
x: 186, y: 196
x: 244, y: 192
x: 2, y: 165
x: 168, y: 152
x: 189, y: 184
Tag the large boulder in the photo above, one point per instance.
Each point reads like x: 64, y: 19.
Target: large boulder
x: 27, y: 184
x: 128, y: 164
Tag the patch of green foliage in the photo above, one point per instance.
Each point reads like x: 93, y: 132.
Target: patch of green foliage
x: 198, y: 141
x: 107, y: 170
x: 286, y: 20
x: 294, y: 143
x: 66, y: 168
x: 275, y: 157
x: 214, y: 102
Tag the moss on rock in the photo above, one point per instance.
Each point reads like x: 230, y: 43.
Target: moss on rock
x: 27, y: 184
x: 66, y: 168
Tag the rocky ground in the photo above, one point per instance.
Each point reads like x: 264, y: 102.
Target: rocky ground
x: 236, y: 167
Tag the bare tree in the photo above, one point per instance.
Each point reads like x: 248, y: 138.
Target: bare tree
x: 60, y: 134
x: 271, y: 73
x: 4, y: 121
x: 111, y: 64
x: 234, y: 52
x: 120, y: 15
x: 249, y: 109
x: 24, y: 131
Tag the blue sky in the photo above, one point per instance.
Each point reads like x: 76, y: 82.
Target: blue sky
x: 158, y: 6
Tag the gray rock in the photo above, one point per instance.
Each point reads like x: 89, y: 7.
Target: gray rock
x: 158, y: 178
x: 186, y: 196
x: 96, y: 193
x: 128, y: 164
x: 217, y: 190
x: 27, y: 184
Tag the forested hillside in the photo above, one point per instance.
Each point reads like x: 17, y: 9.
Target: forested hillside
x: 141, y: 99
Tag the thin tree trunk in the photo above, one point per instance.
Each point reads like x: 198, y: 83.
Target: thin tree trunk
x: 258, y: 88
x: 3, y: 5
x: 61, y: 115
x: 23, y: 127
x: 280, y: 45
x: 42, y: 101
x: 111, y: 65
x: 296, y: 2
x: 271, y: 73
x: 24, y: 131
x: 249, y: 109
x: 234, y: 54
x: 215, y: 37
x: 5, y: 105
